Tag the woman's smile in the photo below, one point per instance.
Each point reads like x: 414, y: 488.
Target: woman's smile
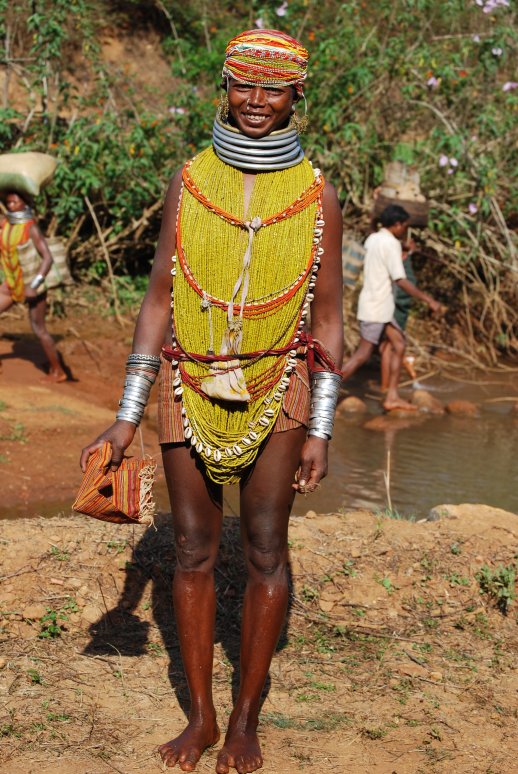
x: 257, y: 110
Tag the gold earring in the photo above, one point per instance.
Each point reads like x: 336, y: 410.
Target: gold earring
x: 299, y: 123
x: 223, y: 106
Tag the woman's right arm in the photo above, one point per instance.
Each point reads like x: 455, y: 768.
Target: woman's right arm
x: 152, y: 322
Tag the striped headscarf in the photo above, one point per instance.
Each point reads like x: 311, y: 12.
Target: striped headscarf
x: 266, y: 57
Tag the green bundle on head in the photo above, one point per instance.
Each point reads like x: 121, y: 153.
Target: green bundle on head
x: 26, y: 173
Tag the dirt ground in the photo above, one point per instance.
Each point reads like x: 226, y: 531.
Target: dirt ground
x: 392, y: 661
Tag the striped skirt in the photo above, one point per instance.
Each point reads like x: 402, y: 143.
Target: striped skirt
x: 294, y: 412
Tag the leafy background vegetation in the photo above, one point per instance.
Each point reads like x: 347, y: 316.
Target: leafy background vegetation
x: 421, y: 81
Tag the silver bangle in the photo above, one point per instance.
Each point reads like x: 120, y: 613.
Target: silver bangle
x: 141, y: 372
x: 37, y: 281
x: 325, y: 387
x: 318, y: 434
x: 136, y: 359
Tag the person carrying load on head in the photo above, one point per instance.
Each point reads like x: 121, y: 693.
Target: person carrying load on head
x: 17, y: 229
x: 250, y: 242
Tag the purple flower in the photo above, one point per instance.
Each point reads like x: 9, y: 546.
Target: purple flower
x: 472, y: 207
x: 490, y: 5
x: 432, y: 82
x: 454, y: 162
x: 443, y: 160
x: 475, y: 38
x: 281, y: 10
x: 259, y: 23
x: 497, y: 51
x: 509, y: 86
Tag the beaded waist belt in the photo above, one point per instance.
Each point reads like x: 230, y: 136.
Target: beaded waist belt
x: 315, y: 353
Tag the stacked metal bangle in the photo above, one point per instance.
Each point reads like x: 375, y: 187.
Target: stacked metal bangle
x: 324, y: 396
x: 141, y: 372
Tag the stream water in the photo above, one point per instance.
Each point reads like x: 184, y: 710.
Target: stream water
x: 433, y: 459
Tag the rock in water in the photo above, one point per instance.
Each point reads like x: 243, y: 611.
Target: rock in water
x: 463, y: 408
x: 427, y: 402
x: 352, y: 405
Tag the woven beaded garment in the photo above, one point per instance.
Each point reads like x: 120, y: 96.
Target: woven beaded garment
x: 213, y: 234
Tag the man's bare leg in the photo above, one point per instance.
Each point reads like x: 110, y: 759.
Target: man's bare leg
x: 197, y: 519
x: 393, y: 400
x: 386, y: 357
x: 357, y: 359
x: 266, y: 500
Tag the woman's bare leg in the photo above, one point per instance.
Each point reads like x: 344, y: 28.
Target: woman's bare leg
x: 5, y: 298
x: 266, y: 500
x: 5, y: 302
x: 37, y: 312
x: 197, y: 519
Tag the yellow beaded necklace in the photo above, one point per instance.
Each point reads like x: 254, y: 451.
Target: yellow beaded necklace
x: 282, y: 268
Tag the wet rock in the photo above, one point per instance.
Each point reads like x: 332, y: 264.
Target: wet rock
x: 442, y: 512
x: 463, y: 408
x: 427, y: 402
x: 34, y: 612
x: 352, y: 405
x: 392, y: 421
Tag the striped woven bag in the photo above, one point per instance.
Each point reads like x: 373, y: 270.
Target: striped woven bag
x: 30, y: 261
x: 123, y: 496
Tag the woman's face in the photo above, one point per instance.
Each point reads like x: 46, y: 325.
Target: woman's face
x: 259, y: 110
x: 14, y: 203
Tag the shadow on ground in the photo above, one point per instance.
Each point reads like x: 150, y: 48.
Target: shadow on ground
x: 153, y: 561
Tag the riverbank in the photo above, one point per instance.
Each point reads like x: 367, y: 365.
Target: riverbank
x: 392, y: 661
x: 435, y: 456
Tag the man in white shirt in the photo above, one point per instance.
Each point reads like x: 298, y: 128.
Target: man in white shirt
x: 383, y: 268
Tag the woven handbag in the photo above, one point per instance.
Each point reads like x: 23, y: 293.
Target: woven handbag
x: 123, y: 496
x: 30, y: 261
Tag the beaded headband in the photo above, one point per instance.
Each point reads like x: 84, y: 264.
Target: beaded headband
x: 266, y: 57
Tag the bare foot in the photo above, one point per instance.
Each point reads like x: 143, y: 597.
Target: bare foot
x: 55, y: 377
x: 241, y: 751
x: 186, y: 749
x: 398, y: 404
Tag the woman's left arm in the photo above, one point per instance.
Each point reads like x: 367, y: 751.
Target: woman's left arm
x: 40, y: 243
x: 326, y: 326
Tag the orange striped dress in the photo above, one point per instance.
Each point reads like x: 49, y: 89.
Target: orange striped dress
x: 12, y: 235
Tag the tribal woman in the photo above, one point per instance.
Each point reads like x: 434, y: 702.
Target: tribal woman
x: 250, y: 245
x: 16, y: 230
